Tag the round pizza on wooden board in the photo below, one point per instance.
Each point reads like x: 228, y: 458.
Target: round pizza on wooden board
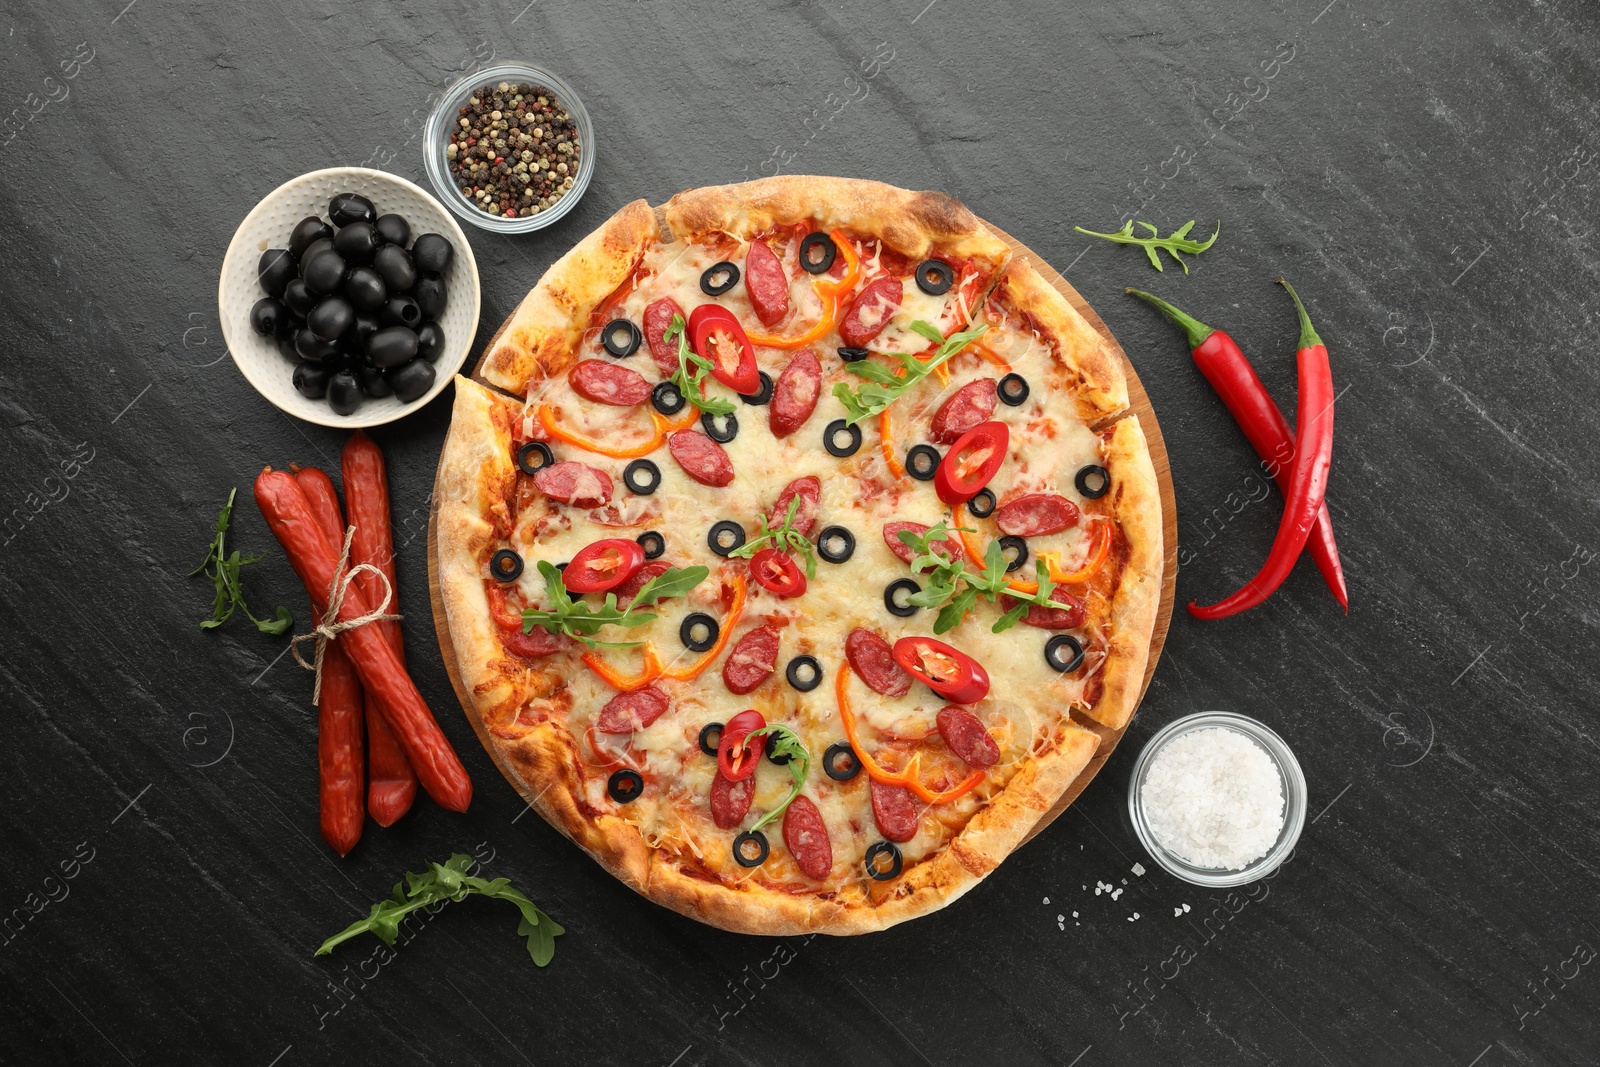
x: 798, y: 550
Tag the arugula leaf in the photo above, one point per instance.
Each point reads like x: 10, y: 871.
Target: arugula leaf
x: 222, y: 567
x: 884, y: 386
x: 954, y: 588
x: 692, y: 382
x: 785, y: 538
x: 788, y: 744
x: 445, y: 883
x: 581, y: 620
x: 1179, y: 241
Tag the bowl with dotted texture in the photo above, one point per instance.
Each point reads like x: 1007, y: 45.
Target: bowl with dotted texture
x: 268, y: 225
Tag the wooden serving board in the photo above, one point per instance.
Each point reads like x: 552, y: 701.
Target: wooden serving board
x: 1139, y: 404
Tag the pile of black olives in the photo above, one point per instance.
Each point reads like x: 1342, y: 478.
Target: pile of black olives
x: 353, y: 307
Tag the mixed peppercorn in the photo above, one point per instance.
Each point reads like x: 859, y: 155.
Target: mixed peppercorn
x: 514, y: 151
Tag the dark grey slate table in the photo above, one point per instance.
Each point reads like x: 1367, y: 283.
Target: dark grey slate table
x: 1425, y: 172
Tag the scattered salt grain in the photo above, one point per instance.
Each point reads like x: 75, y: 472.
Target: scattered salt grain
x: 1215, y: 798
x: 1138, y: 870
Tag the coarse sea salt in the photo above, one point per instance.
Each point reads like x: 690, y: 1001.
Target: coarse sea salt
x: 1215, y: 798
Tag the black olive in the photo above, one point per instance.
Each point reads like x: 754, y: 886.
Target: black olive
x: 875, y: 870
x: 654, y: 545
x: 505, y: 565
x: 720, y: 428
x: 836, y: 544
x: 710, y: 738
x: 840, y: 762
x: 430, y: 295
x: 922, y: 462
x: 534, y: 450
x: 344, y: 392
x: 762, y: 395
x: 702, y: 624
x: 817, y: 252
x: 391, y: 347
x: 725, y: 536
x: 621, y: 338
x: 346, y: 208
x: 1017, y: 545
x: 561, y: 566
x: 1013, y: 390
x: 894, y: 594
x: 432, y: 252
x: 364, y: 327
x: 325, y: 272
x: 852, y: 438
x: 804, y: 673
x: 430, y: 341
x: 315, y: 248
x: 411, y: 380
x: 982, y: 504
x: 268, y: 316
x: 1064, y: 653
x: 771, y: 749
x: 375, y: 382
x: 935, y: 277
x: 667, y: 398
x: 642, y: 476
x: 330, y: 318
x: 750, y: 848
x: 394, y: 263
x: 286, y: 347
x: 401, y: 310
x: 365, y: 290
x: 625, y: 786
x: 297, y: 298
x: 728, y: 272
x: 394, y: 229
x: 274, y: 269
x: 311, y: 380
x: 853, y: 355
x: 312, y: 347
x: 356, y: 242
x: 311, y: 228
x: 1093, y: 481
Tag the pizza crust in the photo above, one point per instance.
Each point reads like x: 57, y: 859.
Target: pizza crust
x: 1093, y: 370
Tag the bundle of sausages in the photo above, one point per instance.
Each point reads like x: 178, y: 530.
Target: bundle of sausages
x: 364, y: 677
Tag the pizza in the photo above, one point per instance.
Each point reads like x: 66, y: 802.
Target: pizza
x: 797, y: 549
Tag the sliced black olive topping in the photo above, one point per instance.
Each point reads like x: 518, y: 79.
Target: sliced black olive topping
x: 981, y: 506
x: 506, y: 565
x: 698, y: 632
x: 725, y: 536
x: 840, y: 762
x: 804, y: 673
x: 1013, y: 390
x: 934, y: 277
x: 1064, y: 653
x: 728, y: 272
x: 625, y: 785
x: 836, y: 544
x: 562, y: 566
x: 1093, y: 481
x: 720, y: 428
x: 762, y: 395
x: 852, y: 438
x: 750, y: 848
x: 652, y: 543
x: 772, y: 751
x: 853, y: 355
x: 817, y: 252
x: 710, y: 738
x: 621, y: 338
x: 894, y: 595
x: 875, y: 855
x: 667, y: 398
x: 533, y: 456
x: 642, y: 476
x: 922, y: 462
x: 1017, y: 545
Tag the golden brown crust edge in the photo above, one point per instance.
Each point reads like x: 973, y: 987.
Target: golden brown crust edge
x: 1087, y: 357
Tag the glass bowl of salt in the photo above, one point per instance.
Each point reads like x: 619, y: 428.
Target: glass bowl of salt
x: 1217, y: 799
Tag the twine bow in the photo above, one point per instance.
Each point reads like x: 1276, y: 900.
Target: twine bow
x: 330, y: 628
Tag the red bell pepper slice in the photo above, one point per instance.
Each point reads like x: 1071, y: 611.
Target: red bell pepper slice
x: 971, y: 462
x: 948, y: 671
x: 715, y: 334
x: 603, y: 565
x: 777, y: 573
x: 737, y: 761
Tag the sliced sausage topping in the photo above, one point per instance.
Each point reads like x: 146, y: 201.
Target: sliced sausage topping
x: 967, y: 737
x: 701, y: 458
x: 891, y: 537
x: 962, y: 410
x: 871, y: 657
x: 809, y: 490
x: 1069, y: 616
x: 627, y: 712
x: 730, y: 801
x: 608, y: 383
x: 752, y: 661
x: 894, y: 811
x: 574, y: 483
x: 766, y: 284
x: 657, y: 319
x: 870, y: 312
x: 795, y: 394
x: 1036, y: 514
x: 805, y: 835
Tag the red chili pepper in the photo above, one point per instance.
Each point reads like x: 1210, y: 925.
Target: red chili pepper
x: 948, y: 671
x: 715, y: 334
x: 971, y: 462
x: 1308, y: 483
x: 603, y: 565
x: 736, y: 761
x: 777, y: 573
x: 1247, y: 400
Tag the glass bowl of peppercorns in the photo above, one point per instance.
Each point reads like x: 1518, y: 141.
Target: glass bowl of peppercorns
x: 510, y: 148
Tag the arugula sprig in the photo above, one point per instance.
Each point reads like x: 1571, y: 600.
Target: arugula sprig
x: 884, y: 386
x: 788, y: 744
x: 691, y: 382
x: 445, y: 883
x: 1178, y: 241
x: 785, y: 538
x: 222, y: 567
x: 954, y: 588
x: 581, y: 620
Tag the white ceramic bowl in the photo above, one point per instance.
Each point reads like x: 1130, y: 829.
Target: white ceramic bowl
x: 268, y: 225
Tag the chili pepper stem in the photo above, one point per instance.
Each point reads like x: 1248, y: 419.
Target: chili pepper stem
x: 1196, y: 330
x: 1308, y: 335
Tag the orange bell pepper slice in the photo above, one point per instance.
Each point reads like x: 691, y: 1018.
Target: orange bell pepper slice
x: 626, y: 683
x: 735, y: 610
x: 663, y: 426
x: 831, y: 290
x: 1099, y: 549
x: 908, y: 777
x: 886, y: 442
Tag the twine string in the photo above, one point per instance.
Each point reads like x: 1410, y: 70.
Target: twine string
x: 330, y: 628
